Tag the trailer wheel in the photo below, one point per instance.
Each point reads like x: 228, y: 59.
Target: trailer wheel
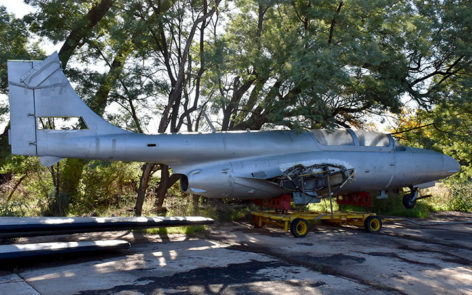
x: 373, y: 224
x: 299, y: 227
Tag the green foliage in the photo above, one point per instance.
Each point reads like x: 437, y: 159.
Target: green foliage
x: 70, y: 176
x: 14, y: 44
x: 62, y: 15
x: 20, y: 165
x: 32, y: 197
x: 56, y: 205
x: 107, y: 188
x: 190, y: 230
x: 14, y: 209
x: 104, y: 186
x: 323, y: 206
x: 393, y: 206
x: 446, y: 129
x: 461, y: 198
x: 221, y: 210
x: 328, y: 63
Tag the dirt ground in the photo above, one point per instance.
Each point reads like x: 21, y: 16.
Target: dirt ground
x: 432, y: 256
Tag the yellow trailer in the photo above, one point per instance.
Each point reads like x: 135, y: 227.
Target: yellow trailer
x: 297, y: 221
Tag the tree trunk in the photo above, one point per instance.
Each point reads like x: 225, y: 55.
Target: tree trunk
x: 166, y: 182
x: 5, y: 149
x: 74, y: 167
x: 72, y: 173
x: 143, y: 184
x: 15, y: 187
x: 82, y: 29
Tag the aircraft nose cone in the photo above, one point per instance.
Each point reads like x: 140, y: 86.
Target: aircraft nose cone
x: 451, y: 166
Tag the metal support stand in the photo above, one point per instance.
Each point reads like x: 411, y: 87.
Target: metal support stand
x: 330, y: 194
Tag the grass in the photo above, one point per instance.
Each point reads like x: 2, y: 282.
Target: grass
x: 190, y: 230
x: 391, y: 206
x: 323, y: 206
x: 451, y: 197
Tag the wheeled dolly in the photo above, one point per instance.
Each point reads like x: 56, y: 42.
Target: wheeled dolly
x: 297, y: 222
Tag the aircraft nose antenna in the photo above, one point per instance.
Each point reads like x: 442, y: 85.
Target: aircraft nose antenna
x: 451, y: 166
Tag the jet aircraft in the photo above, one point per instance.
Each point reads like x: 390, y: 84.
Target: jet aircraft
x: 244, y: 164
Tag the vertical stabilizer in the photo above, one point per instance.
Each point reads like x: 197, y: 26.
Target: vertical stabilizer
x: 40, y: 94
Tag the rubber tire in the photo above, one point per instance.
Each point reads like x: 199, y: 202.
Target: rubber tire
x: 407, y: 202
x: 373, y: 224
x: 299, y: 227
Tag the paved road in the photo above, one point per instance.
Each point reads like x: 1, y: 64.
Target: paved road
x: 408, y: 257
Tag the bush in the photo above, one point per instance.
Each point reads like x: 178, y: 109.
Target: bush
x: 106, y: 186
x: 461, y: 199
x: 451, y: 197
x: 393, y: 206
x: 57, y: 206
x: 13, y: 209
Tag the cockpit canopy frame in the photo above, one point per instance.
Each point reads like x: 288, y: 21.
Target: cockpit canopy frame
x: 347, y: 138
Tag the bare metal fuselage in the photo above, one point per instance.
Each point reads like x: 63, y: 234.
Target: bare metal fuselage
x: 237, y: 164
x: 227, y: 164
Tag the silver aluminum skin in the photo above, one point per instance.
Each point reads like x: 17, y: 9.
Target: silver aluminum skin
x: 221, y: 164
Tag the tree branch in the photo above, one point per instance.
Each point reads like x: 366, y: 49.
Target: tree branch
x: 83, y: 29
x: 333, y: 22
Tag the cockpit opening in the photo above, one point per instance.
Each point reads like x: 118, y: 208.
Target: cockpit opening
x: 333, y: 137
x: 371, y: 138
x: 349, y: 137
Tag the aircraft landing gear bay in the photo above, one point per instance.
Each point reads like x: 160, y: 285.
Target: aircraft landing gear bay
x: 319, y: 178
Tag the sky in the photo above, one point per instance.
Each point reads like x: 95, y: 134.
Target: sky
x: 20, y: 9
x: 17, y: 7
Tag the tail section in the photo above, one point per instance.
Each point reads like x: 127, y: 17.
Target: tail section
x: 41, y: 98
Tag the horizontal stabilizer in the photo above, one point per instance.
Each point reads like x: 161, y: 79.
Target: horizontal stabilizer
x: 49, y: 161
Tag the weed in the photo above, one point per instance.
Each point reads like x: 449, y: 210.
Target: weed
x: 189, y: 230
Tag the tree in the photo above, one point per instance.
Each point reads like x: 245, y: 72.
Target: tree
x: 446, y: 57
x: 308, y: 64
x: 76, y: 23
x: 170, y: 44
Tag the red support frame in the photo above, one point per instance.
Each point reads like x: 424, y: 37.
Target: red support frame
x: 280, y: 203
x: 362, y: 199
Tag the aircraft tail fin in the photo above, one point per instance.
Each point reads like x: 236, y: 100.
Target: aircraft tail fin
x: 42, y: 103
